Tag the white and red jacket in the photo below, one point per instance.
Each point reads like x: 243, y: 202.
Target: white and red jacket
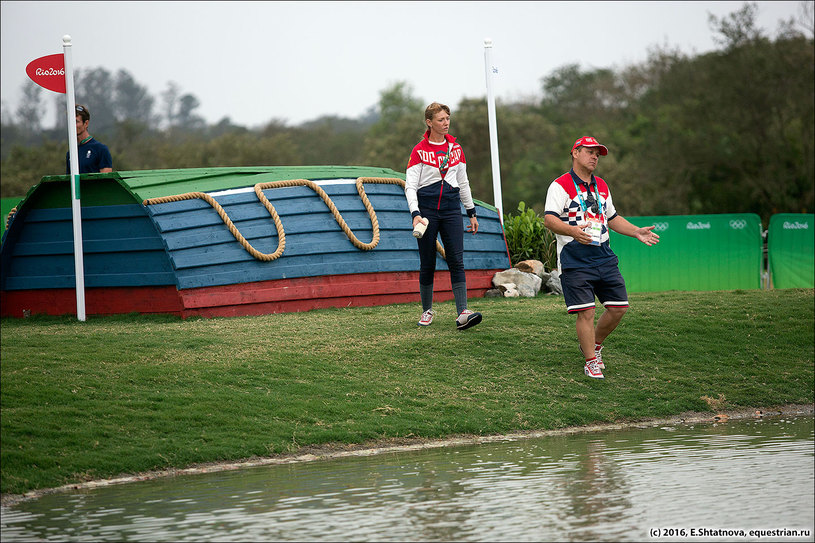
x: 436, y: 177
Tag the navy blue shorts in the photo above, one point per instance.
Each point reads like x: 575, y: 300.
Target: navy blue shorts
x: 581, y: 285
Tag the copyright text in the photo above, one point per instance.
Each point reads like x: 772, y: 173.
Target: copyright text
x: 727, y: 533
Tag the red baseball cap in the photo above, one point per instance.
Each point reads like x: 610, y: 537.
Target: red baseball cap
x: 588, y: 141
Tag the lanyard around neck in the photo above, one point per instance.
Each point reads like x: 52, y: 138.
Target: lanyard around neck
x: 596, y: 195
x: 446, y: 155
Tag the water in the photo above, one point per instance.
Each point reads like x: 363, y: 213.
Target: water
x: 621, y: 485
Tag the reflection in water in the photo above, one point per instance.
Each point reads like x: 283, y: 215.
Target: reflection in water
x: 608, y: 486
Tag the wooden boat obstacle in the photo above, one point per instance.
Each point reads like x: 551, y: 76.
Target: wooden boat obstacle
x: 196, y: 242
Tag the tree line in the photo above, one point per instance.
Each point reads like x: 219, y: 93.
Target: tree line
x: 729, y: 131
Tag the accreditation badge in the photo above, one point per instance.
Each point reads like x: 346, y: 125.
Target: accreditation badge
x: 595, y: 229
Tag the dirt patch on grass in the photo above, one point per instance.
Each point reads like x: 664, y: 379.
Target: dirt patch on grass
x: 340, y: 450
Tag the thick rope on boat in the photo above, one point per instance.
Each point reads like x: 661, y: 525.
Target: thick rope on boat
x: 10, y: 215
x: 281, y: 234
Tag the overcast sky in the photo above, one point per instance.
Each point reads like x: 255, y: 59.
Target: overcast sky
x: 296, y: 61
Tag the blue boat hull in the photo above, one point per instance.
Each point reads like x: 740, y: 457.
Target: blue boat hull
x: 182, y: 257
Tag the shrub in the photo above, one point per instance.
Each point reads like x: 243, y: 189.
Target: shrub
x: 529, y: 239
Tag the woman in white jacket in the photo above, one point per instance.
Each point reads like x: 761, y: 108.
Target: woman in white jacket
x: 435, y: 187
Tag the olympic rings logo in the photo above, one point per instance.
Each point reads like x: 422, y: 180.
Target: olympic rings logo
x: 738, y: 224
x: 661, y: 226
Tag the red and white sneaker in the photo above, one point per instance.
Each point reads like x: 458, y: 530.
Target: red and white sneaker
x: 427, y: 317
x: 592, y: 369
x: 598, y: 354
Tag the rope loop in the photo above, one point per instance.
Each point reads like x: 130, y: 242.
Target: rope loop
x: 10, y: 215
x: 281, y: 234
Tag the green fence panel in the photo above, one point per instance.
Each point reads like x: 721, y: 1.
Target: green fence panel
x: 695, y: 252
x: 791, y: 250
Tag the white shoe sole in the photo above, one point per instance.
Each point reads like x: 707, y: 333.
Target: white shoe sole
x: 601, y: 376
x: 474, y: 319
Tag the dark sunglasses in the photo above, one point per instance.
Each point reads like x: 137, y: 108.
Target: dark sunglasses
x: 592, y: 203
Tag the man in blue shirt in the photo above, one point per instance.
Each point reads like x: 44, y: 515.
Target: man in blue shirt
x: 93, y: 156
x: 579, y: 211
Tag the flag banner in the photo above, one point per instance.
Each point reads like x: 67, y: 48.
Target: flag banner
x: 790, y: 243
x: 695, y: 252
x: 48, y: 72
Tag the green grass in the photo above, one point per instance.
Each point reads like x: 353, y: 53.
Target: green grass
x: 126, y: 394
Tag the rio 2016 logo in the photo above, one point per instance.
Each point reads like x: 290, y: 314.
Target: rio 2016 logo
x: 699, y: 225
x: 49, y: 71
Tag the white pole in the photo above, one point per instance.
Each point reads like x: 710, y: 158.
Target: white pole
x: 76, y: 207
x: 496, y: 166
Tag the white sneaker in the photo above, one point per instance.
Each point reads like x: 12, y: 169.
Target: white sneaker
x: 598, y: 355
x: 467, y: 319
x: 427, y: 317
x: 592, y: 369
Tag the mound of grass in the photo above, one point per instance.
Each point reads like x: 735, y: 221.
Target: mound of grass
x: 124, y: 394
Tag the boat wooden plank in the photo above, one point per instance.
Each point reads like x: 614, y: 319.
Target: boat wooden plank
x: 31, y: 248
x: 335, y: 243
x: 265, y: 228
x: 320, y: 220
x: 228, y: 275
x: 98, y: 301
x: 310, y: 267
x: 325, y: 264
x: 326, y: 279
x: 68, y: 280
x: 315, y: 222
x: 286, y: 306
x: 302, y: 292
x: 312, y: 222
x: 307, y: 288
x: 88, y: 213
x: 333, y: 246
x: 328, y: 292
x: 46, y: 271
x: 294, y: 306
x: 196, y: 217
x: 180, y: 240
x: 318, y: 223
x: 133, y: 227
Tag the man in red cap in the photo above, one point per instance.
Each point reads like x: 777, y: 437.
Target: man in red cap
x: 579, y: 210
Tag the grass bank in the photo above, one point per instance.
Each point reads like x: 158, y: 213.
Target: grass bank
x: 126, y: 394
